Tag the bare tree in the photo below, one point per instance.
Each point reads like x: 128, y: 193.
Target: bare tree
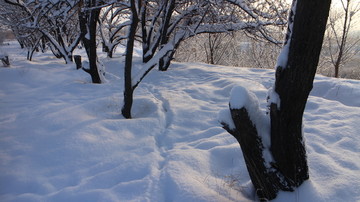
x: 162, y: 29
x: 258, y: 40
x: 14, y: 16
x: 88, y: 20
x: 340, y: 44
x: 114, y: 19
x: 166, y: 23
x: 273, y: 146
x: 33, y: 21
x: 216, y: 46
x: 273, y: 12
x: 230, y: 49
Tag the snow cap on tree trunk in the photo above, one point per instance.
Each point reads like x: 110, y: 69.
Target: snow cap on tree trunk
x: 240, y: 97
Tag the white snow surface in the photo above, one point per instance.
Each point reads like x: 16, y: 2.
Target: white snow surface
x: 63, y: 138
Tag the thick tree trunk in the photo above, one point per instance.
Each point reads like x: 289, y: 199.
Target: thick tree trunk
x: 293, y: 84
x: 267, y: 181
x: 128, y: 88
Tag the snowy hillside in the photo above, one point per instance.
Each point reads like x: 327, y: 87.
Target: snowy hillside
x: 63, y: 138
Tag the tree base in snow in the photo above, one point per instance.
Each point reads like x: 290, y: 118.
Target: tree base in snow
x: 295, y: 74
x: 265, y: 177
x: 5, y: 61
x: 77, y: 59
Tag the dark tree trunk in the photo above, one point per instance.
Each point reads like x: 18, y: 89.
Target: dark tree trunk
x: 128, y: 88
x: 144, y: 37
x: 92, y: 47
x: 267, y: 182
x: 108, y: 50
x: 165, y: 61
x: 128, y: 101
x: 293, y: 84
x: 164, y: 64
x: 88, y: 23
x: 77, y: 59
x: 31, y: 54
x: 110, y: 53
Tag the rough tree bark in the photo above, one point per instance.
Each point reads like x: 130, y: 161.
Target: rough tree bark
x: 294, y: 80
x: 293, y: 85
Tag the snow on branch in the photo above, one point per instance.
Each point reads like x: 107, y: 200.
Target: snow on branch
x: 148, y: 66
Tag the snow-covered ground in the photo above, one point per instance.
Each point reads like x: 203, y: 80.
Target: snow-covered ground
x: 63, y: 138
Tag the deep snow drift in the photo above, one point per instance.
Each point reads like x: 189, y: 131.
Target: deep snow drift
x: 64, y: 139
